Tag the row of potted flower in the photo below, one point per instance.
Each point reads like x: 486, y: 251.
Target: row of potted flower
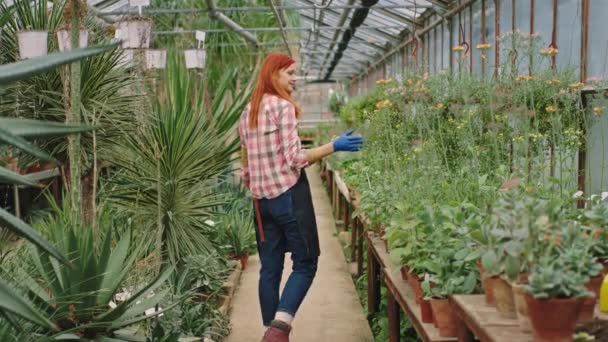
x: 531, y: 256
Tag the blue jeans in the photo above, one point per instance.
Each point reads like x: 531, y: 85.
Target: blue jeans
x: 282, y: 219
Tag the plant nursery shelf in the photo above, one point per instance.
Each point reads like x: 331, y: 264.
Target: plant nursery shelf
x: 484, y: 322
x: 402, y: 294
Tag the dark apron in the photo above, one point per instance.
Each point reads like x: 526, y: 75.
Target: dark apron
x: 304, y: 213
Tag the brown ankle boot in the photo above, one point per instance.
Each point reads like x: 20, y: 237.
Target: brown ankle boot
x: 278, y: 332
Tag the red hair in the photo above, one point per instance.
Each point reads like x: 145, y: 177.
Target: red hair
x: 267, y: 84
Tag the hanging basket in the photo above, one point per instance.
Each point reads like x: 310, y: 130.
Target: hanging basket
x: 32, y: 44
x: 134, y: 33
x: 195, y: 59
x: 126, y: 59
x: 156, y: 59
x: 64, y: 39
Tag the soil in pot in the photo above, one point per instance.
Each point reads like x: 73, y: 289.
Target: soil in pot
x: 553, y: 320
x: 426, y: 311
x: 503, y: 296
x: 523, y: 318
x: 444, y: 317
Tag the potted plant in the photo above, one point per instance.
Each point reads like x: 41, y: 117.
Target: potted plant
x: 555, y: 296
x: 32, y: 43
x: 65, y: 40
x: 237, y: 234
x: 135, y: 33
x: 195, y: 58
x: 156, y: 58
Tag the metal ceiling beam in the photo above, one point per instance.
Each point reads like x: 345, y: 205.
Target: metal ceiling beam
x: 337, y: 34
x: 280, y: 17
x: 397, y: 16
x: 221, y: 17
x: 354, y: 37
x: 270, y: 29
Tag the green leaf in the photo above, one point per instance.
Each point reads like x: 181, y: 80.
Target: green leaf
x: 512, y: 267
x: 21, y: 228
x: 21, y: 70
x: 27, y: 128
x: 23, y: 144
x: 13, y: 302
x: 490, y: 262
x: 9, y: 177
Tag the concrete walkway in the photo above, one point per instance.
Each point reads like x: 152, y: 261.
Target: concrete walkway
x: 331, y: 311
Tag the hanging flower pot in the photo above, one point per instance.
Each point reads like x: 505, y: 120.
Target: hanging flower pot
x: 553, y: 320
x: 195, y: 59
x: 64, y: 38
x: 126, y: 59
x: 444, y: 315
x: 32, y: 44
x: 156, y: 59
x: 135, y: 33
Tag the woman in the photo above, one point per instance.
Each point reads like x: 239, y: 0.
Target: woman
x: 272, y: 159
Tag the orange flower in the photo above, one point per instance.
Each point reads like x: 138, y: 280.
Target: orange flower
x: 458, y: 48
x: 438, y: 106
x: 554, y: 81
x: 486, y: 46
x: 551, y: 109
x: 524, y: 78
x: 598, y: 110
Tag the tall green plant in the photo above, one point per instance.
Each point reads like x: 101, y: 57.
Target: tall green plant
x: 170, y: 168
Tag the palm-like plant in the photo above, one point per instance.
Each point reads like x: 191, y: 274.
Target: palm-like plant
x: 107, y: 96
x: 169, y: 169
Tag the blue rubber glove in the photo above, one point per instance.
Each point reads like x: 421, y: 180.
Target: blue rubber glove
x: 346, y: 142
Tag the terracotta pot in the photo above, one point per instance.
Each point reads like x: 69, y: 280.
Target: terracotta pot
x: 426, y: 311
x: 404, y: 271
x: 414, y: 281
x: 587, y: 309
x: 243, y: 259
x: 488, y: 288
x: 503, y: 296
x: 445, y: 318
x: 523, y: 318
x: 195, y: 58
x: 594, y: 284
x: 553, y: 320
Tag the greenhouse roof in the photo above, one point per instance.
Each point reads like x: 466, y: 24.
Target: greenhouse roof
x: 337, y: 39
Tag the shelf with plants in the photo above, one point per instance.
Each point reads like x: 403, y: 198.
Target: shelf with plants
x: 473, y: 181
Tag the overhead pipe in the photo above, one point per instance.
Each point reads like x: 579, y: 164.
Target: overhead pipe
x: 280, y: 16
x: 341, y: 22
x: 219, y: 16
x: 358, y: 18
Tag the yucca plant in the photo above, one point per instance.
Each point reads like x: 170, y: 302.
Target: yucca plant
x: 168, y: 170
x: 73, y: 301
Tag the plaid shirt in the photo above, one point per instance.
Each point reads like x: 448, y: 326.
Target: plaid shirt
x: 274, y: 150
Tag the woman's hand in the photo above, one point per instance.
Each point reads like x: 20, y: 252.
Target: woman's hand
x: 348, y: 143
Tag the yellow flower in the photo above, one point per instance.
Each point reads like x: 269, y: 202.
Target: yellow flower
x: 577, y: 85
x: 483, y: 56
x: 458, y: 48
x: 551, y: 109
x: 524, y: 78
x: 598, y: 110
x: 438, y: 106
x: 484, y: 46
x: 550, y: 51
x: 383, y: 104
x: 553, y: 81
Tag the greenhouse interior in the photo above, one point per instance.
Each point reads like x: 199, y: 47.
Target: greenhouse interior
x: 304, y: 170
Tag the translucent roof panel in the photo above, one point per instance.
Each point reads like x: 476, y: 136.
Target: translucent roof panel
x: 383, y: 26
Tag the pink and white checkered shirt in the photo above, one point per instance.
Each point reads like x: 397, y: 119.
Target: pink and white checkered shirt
x: 274, y: 150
